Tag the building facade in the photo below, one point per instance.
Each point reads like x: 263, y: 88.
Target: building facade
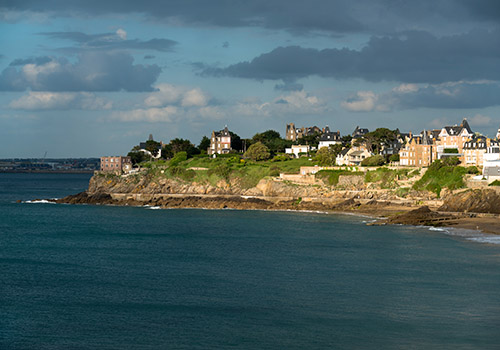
x: 292, y: 133
x: 329, y: 138
x: 117, y: 165
x: 298, y: 150
x: 220, y: 142
x: 419, y: 151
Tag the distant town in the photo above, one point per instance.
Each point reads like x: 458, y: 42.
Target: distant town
x: 42, y: 165
x: 329, y: 148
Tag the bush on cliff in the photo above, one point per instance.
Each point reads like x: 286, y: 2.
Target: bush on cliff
x: 373, y: 161
x: 441, y: 174
x: 257, y: 151
x: 325, y: 156
x: 387, y: 177
x: 178, y: 158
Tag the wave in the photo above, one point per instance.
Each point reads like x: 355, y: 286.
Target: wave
x: 474, y: 236
x: 40, y: 201
x: 439, y: 229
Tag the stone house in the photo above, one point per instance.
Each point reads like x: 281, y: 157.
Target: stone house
x: 220, y: 142
x: 419, y: 151
x: 116, y: 164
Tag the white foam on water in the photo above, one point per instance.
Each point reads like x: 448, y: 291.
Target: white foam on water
x: 152, y: 207
x: 490, y: 239
x: 40, y: 201
x: 437, y: 229
x: 474, y: 236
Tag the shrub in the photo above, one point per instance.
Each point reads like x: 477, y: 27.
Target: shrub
x: 441, y: 174
x: 325, y: 156
x: 394, y: 158
x: 257, y: 151
x: 181, y: 173
x: 473, y: 170
x: 274, y: 171
x: 495, y: 183
x: 221, y: 170
x: 373, y: 161
x: 280, y: 158
x: 178, y: 158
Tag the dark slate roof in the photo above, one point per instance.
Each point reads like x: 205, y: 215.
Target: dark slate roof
x: 330, y: 136
x: 477, y: 142
x: 223, y: 132
x: 344, y: 152
x: 359, y: 131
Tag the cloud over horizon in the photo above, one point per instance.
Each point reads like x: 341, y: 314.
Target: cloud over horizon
x: 93, y: 71
x: 410, y: 57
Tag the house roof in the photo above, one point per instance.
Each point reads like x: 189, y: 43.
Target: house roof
x: 359, y: 131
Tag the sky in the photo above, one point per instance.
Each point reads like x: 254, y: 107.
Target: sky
x: 94, y: 78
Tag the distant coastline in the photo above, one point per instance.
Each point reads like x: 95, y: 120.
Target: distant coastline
x: 47, y: 171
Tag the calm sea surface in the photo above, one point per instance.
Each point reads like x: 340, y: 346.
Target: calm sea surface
x: 90, y: 277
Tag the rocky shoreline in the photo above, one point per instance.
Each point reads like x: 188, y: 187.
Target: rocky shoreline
x: 470, y: 209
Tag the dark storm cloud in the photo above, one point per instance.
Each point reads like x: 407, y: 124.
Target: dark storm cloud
x: 149, y: 57
x: 94, y: 71
x: 333, y: 15
x: 415, y: 57
x: 462, y: 95
x: 293, y: 15
x: 111, y: 41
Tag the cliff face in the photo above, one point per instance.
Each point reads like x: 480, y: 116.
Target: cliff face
x: 268, y: 187
x: 475, y: 201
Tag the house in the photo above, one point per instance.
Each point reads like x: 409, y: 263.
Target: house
x: 117, y: 164
x: 342, y: 157
x: 453, y: 137
x: 491, y: 160
x: 359, y: 132
x: 419, y: 151
x: 474, y: 150
x: 292, y: 133
x: 393, y: 147
x: 298, y: 150
x: 220, y: 142
x: 329, y: 138
x: 352, y: 156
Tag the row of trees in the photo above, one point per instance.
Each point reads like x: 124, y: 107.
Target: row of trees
x: 268, y: 143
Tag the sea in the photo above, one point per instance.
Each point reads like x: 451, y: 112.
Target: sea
x: 110, y: 277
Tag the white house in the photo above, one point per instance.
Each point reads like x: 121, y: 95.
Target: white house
x: 297, y: 149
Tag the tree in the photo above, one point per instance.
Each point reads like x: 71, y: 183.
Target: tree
x: 137, y: 156
x: 204, y: 144
x: 272, y: 140
x: 311, y: 140
x: 394, y: 158
x: 326, y: 156
x: 153, y: 147
x: 346, y: 140
x: 375, y: 140
x: 257, y: 151
x: 236, y: 142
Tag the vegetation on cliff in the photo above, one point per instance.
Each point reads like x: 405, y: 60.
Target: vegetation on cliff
x: 443, y: 174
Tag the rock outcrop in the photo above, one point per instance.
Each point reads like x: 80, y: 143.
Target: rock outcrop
x: 473, y: 201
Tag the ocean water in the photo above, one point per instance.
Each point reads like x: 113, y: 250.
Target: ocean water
x: 102, y: 277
